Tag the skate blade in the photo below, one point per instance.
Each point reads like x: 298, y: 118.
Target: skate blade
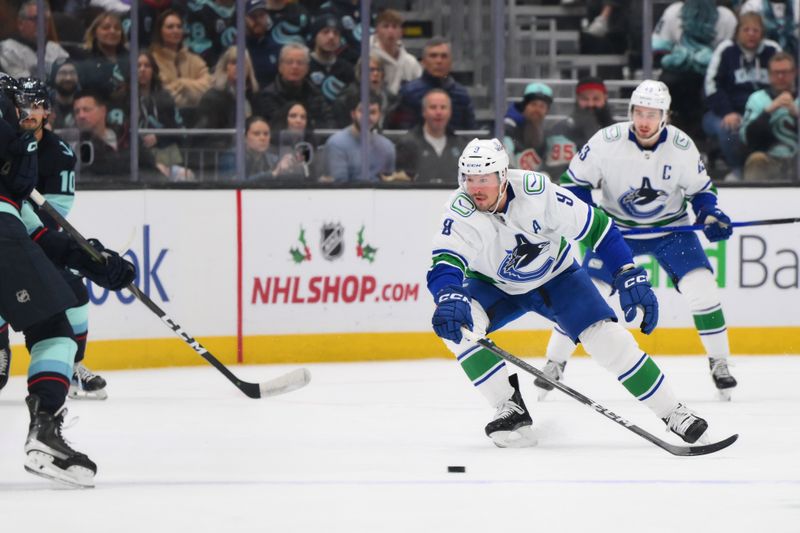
x: 520, y: 438
x: 79, y: 394
x: 41, y: 464
x: 541, y: 394
x: 724, y: 395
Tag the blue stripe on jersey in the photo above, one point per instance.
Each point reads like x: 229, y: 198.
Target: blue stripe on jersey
x: 564, y: 254
x: 586, y: 226
x: 578, y: 180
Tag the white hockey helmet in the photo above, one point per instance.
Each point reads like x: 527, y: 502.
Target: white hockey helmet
x: 483, y: 156
x: 653, y: 94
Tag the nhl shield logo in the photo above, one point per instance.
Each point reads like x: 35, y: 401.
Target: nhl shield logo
x: 332, y: 244
x: 23, y: 296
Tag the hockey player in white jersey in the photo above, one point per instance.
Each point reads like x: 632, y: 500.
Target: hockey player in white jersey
x: 504, y: 248
x: 647, y: 173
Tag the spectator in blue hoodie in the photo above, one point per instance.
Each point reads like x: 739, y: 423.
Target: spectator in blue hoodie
x: 737, y: 70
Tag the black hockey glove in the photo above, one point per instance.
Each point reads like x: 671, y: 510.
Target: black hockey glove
x: 115, y: 274
x: 452, y: 311
x: 635, y: 291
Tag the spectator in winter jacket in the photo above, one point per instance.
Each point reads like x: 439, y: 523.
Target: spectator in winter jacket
x: 737, y: 69
x: 398, y: 64
x: 769, y: 125
x: 270, y: 25
x: 329, y: 72
x: 437, y: 62
x: 293, y: 85
x: 429, y: 153
x: 183, y: 73
x: 377, y: 84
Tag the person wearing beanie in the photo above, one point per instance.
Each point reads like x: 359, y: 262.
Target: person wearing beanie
x: 525, y: 138
x: 566, y: 137
x: 329, y: 72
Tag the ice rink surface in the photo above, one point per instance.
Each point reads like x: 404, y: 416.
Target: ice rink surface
x: 366, y: 446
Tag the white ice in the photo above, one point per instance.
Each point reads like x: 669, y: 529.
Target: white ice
x: 365, y: 447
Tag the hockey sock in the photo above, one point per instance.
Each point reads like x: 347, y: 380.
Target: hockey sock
x: 700, y: 289
x: 79, y: 320
x: 560, y: 347
x: 50, y: 371
x: 487, y: 372
x: 615, y: 349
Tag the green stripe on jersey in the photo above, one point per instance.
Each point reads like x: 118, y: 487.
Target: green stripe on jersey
x: 643, y: 379
x: 598, y: 228
x: 483, y: 277
x: 479, y: 363
x: 450, y: 260
x: 710, y: 321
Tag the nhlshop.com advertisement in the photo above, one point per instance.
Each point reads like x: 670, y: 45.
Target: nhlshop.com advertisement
x: 337, y: 261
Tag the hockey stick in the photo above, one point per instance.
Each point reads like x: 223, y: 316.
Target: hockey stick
x: 697, y: 227
x: 282, y: 384
x: 671, y: 448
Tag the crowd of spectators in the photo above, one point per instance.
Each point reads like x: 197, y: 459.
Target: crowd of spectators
x: 302, y: 71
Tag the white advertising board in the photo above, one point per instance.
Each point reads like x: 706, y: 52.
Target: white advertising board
x: 354, y: 261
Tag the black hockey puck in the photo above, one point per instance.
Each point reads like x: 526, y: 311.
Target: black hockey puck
x: 456, y: 469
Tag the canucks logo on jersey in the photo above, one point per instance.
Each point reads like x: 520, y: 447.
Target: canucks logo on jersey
x: 523, y: 254
x: 643, y: 202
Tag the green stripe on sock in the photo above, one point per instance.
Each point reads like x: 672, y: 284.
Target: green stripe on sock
x: 712, y: 320
x: 643, y: 379
x: 479, y: 363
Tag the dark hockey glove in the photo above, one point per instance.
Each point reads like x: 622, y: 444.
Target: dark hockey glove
x: 452, y: 311
x: 115, y: 274
x: 717, y: 224
x: 635, y: 291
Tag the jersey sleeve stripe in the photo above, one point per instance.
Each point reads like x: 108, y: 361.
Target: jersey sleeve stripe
x: 577, y: 180
x: 442, y: 251
x: 445, y: 260
x: 586, y: 225
x: 597, y: 230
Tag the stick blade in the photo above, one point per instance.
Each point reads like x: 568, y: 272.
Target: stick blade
x: 296, y: 379
x: 704, y: 449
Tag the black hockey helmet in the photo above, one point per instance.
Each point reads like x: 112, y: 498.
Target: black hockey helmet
x: 32, y: 91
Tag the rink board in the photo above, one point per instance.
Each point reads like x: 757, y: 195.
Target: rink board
x: 263, y: 276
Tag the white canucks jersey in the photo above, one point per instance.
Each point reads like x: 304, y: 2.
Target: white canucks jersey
x: 641, y: 187
x: 523, y: 247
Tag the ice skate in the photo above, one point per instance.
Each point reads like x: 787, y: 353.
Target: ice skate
x: 86, y: 385
x: 511, y: 426
x: 554, y: 371
x: 49, y: 455
x: 686, y: 424
x: 5, y: 366
x: 722, y: 377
